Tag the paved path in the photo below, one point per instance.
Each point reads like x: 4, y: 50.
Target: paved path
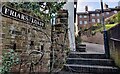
x: 95, y: 48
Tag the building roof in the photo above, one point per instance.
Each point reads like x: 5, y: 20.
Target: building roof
x: 105, y: 10
x: 117, y: 9
x: 83, y: 13
x: 91, y: 12
x: 98, y: 11
x: 88, y: 12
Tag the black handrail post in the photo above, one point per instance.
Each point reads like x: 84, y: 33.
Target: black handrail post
x: 105, y: 35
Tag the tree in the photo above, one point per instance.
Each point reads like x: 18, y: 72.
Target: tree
x: 42, y: 10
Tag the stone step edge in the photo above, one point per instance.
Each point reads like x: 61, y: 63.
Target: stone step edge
x: 86, y: 53
x: 91, y: 66
x: 81, y: 47
x: 89, y: 59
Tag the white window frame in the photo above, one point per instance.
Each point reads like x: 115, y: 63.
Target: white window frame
x: 93, y: 14
x: 107, y: 13
x: 80, y: 16
x: 93, y: 21
x: 85, y: 16
x: 80, y: 22
x: 98, y: 20
x: 85, y: 22
x: 98, y: 14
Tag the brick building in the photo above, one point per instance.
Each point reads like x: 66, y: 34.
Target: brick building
x: 89, y: 18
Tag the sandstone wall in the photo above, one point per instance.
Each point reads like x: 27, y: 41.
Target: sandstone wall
x: 97, y: 38
x: 27, y: 38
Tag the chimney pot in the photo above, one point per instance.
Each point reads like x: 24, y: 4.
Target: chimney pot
x: 86, y: 8
x: 105, y: 6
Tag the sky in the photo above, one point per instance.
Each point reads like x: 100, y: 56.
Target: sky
x: 94, y: 4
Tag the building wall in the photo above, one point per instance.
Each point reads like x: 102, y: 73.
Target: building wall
x: 38, y: 38
x: 60, y: 37
x: 0, y: 36
x: 82, y: 20
x: 114, y: 43
x: 97, y: 38
x: 23, y: 40
x: 90, y: 17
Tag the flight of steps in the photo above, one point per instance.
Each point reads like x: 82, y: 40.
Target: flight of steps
x: 90, y: 63
x: 81, y: 47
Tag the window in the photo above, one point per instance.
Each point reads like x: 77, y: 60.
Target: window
x: 93, y: 20
x: 85, y: 16
x: 98, y: 20
x: 80, y: 16
x: 115, y: 11
x: 93, y: 14
x: 85, y: 22
x: 80, y: 22
x: 107, y: 13
x: 98, y: 14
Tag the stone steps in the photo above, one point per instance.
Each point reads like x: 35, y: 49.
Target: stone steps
x: 84, y: 45
x: 81, y: 48
x: 91, y: 69
x: 69, y: 72
x: 86, y: 55
x: 89, y: 61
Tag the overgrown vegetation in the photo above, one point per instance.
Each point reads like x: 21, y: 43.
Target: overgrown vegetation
x: 109, y: 23
x: 77, y: 40
x: 42, y: 10
x: 9, y: 58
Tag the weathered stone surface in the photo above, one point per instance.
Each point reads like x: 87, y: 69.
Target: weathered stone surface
x: 97, y: 38
x: 22, y: 37
x: 60, y: 37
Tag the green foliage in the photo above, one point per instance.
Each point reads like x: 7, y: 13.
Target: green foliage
x: 109, y: 23
x: 9, y: 58
x: 99, y: 25
x: 108, y: 26
x: 77, y: 39
x: 93, y: 32
x: 86, y: 29
x: 118, y: 17
x: 43, y: 10
x: 113, y: 19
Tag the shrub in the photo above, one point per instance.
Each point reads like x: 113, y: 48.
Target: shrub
x: 9, y: 58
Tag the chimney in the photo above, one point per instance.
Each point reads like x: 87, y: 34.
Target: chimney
x: 86, y: 8
x: 105, y: 6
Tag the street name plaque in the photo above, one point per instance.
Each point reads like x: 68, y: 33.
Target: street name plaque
x: 17, y: 15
